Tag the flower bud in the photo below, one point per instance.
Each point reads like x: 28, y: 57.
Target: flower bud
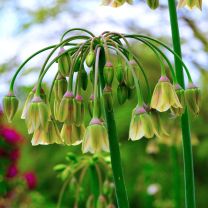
x: 101, y: 202
x: 78, y: 110
x: 64, y: 63
x: 164, y: 96
x: 129, y: 79
x: 141, y: 124
x: 122, y: 93
x: 10, y: 105
x: 192, y: 97
x: 90, y: 59
x: 66, y: 108
x: 95, y: 138
x: 108, y: 98
x: 119, y: 72
x: 153, y: 4
x: 181, y: 97
x: 84, y: 79
x: 108, y: 73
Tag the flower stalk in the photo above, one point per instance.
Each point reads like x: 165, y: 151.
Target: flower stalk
x: 187, y: 148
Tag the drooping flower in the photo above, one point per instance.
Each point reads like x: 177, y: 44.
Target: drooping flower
x: 164, y: 96
x: 190, y: 3
x: 192, y: 96
x: 72, y: 134
x: 78, y: 110
x: 49, y: 136
x: 64, y: 63
x: 153, y: 4
x: 38, y: 115
x: 96, y: 137
x: 141, y: 125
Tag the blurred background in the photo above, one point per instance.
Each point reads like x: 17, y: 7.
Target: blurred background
x: 29, y: 25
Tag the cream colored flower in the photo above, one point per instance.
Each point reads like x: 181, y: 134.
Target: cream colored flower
x: 96, y: 137
x: 164, y: 96
x: 141, y: 125
x: 190, y: 3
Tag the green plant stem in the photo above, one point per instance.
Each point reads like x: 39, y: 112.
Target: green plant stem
x: 94, y: 183
x: 121, y: 194
x: 187, y: 148
x: 176, y: 176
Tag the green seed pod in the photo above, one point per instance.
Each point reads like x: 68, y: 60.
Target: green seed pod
x: 84, y: 79
x: 181, y: 97
x: 129, y: 79
x: 122, y: 93
x: 77, y: 64
x: 119, y: 73
x: 101, y: 202
x: 108, y: 73
x: 90, y: 59
x: 62, y: 87
x: 64, y: 63
x: 153, y: 4
x: 66, y: 108
x: 108, y: 98
x: 78, y: 110
x: 10, y: 105
x: 192, y: 96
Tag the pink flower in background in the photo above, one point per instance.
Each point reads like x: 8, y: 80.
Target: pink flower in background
x: 14, y: 154
x: 31, y: 179
x: 10, y: 135
x: 12, y: 171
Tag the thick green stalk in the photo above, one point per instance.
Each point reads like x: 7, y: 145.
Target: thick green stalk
x: 121, y: 194
x: 187, y: 149
x: 94, y: 183
x: 176, y: 177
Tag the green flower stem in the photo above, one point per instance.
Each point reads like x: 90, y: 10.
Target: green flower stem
x: 94, y: 183
x: 187, y: 148
x: 24, y: 63
x: 176, y: 177
x: 170, y: 50
x: 121, y: 194
x: 76, y: 29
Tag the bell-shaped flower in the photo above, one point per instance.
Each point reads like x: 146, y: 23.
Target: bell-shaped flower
x: 190, y: 3
x: 71, y: 134
x: 43, y: 137
x: 10, y: 105
x: 164, y: 96
x: 38, y: 115
x: 192, y: 97
x: 66, y: 108
x: 96, y: 137
x: 141, y: 125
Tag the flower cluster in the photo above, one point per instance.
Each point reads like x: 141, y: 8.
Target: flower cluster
x: 60, y: 116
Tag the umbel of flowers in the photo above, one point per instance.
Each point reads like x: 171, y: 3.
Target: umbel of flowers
x: 59, y: 117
